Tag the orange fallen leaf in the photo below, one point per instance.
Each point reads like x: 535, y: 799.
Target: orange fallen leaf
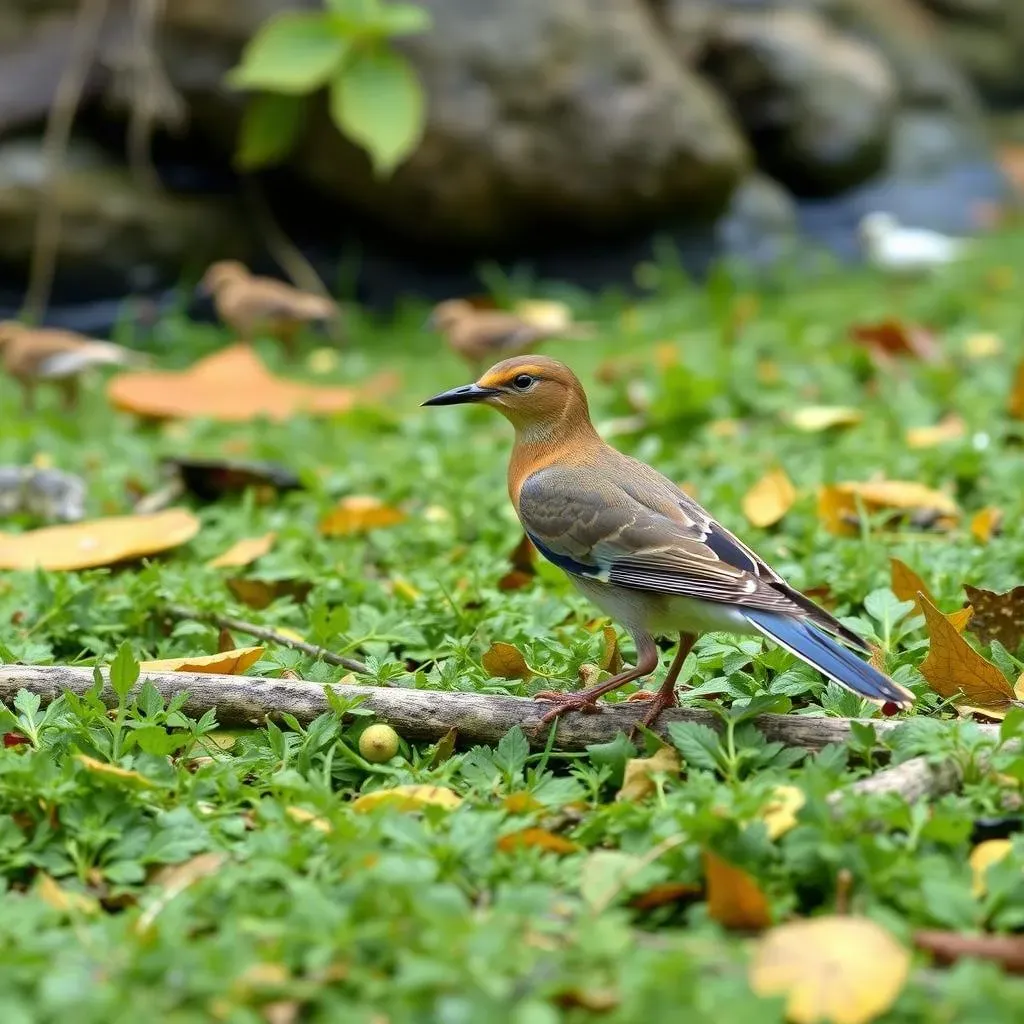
x: 242, y: 552
x: 521, y: 803
x: 955, y: 670
x: 96, y: 542
x: 539, y: 838
x: 233, y: 385
x: 986, y: 523
x: 906, y: 585
x: 951, y: 428
x: 304, y: 817
x: 638, y: 777
x: 358, y: 513
x: 64, y: 900
x: 1016, y: 403
x: 735, y: 900
x: 813, y: 419
x: 257, y: 593
x: 408, y: 798
x: 665, y: 892
x: 227, y: 663
x: 997, y: 616
x: 889, y: 338
x: 769, y: 499
x: 503, y: 661
x: 523, y: 556
x: 837, y: 503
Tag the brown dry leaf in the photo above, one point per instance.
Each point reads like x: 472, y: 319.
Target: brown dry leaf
x: 521, y: 803
x: 986, y: 523
x: 735, y: 900
x: 522, y: 557
x: 948, y: 947
x: 841, y: 969
x: 812, y: 419
x: 304, y: 817
x: 997, y: 616
x: 665, y: 892
x: 242, y: 552
x: 408, y: 798
x: 111, y: 771
x: 983, y: 856
x: 1016, y: 404
x: 227, y: 663
x: 769, y: 499
x: 233, y: 385
x: 637, y: 781
x: 260, y: 593
x: 503, y: 661
x: 837, y: 503
x: 779, y: 814
x: 63, y: 900
x: 540, y: 838
x: 96, y: 542
x: 611, y: 657
x: 953, y: 669
x: 889, y: 338
x: 950, y: 428
x: 906, y: 585
x: 358, y: 513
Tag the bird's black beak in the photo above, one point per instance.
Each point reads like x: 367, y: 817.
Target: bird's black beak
x: 460, y: 396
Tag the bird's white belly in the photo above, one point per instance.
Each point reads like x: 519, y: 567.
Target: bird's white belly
x: 663, y: 614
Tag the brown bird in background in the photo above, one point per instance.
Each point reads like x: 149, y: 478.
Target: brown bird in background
x: 251, y: 305
x: 32, y: 355
x: 481, y: 336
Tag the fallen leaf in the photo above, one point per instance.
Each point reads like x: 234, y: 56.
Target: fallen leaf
x: 906, y: 584
x: 812, y: 419
x: 257, y: 593
x: 954, y: 670
x: 997, y: 616
x: 522, y: 557
x: 638, y: 781
x: 408, y: 798
x: 735, y: 900
x: 1016, y: 403
x: 225, y: 641
x: 233, y: 385
x: 983, y: 346
x: 889, y: 338
x: 952, y: 428
x: 63, y: 900
x: 948, y: 947
x: 838, y: 503
x: 358, y: 513
x: 611, y: 657
x: 841, y: 969
x: 503, y: 661
x: 540, y: 838
x: 986, y: 523
x: 779, y: 814
x: 281, y: 1011
x: 596, y: 1000
x: 227, y: 663
x: 304, y: 817
x: 110, y: 771
x: 663, y: 893
x: 242, y: 552
x: 769, y: 499
x: 521, y: 803
x: 982, y: 857
x: 95, y: 542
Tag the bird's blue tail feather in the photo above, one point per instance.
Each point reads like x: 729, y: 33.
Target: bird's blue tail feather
x: 830, y: 658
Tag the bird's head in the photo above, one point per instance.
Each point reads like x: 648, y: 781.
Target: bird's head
x: 536, y: 394
x: 221, y: 273
x: 875, y: 226
x: 447, y: 314
x: 9, y: 330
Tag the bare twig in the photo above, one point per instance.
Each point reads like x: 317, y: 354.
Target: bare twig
x: 917, y: 779
x: 416, y: 714
x: 178, y: 611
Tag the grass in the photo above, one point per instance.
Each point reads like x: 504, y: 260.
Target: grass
x: 327, y: 913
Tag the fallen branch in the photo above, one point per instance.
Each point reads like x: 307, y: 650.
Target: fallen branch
x: 415, y: 714
x: 913, y: 780
x: 229, y: 622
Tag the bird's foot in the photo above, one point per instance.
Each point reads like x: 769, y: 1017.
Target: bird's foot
x: 658, y: 701
x: 566, y: 702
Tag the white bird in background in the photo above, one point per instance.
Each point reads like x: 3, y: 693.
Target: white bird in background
x: 891, y: 247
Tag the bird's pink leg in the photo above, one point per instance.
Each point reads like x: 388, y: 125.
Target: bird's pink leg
x: 585, y: 700
x: 666, y: 695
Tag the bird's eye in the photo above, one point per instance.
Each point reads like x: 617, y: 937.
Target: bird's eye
x: 522, y: 382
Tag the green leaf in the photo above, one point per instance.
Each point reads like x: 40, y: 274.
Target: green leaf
x: 376, y: 100
x: 293, y: 53
x: 270, y: 126
x: 512, y: 752
x: 403, y: 19
x: 698, y: 744
x: 614, y: 754
x: 124, y: 671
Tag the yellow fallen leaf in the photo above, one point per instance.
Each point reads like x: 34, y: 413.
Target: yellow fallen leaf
x: 982, y: 857
x: 503, y: 661
x: 813, y: 419
x: 227, y: 663
x: 96, y: 542
x: 735, y: 900
x: 63, y: 900
x: 408, y: 798
x: 982, y: 346
x: 840, y: 969
x: 906, y: 585
x: 986, y: 523
x: 838, y: 503
x: 779, y: 814
x: 952, y: 428
x: 953, y: 669
x: 110, y: 771
x: 769, y: 499
x: 539, y: 838
x: 638, y: 781
x: 304, y: 817
x: 358, y: 513
x: 243, y: 552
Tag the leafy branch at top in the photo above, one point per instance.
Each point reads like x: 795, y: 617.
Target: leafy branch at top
x: 374, y: 96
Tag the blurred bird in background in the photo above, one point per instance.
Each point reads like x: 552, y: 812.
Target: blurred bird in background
x: 33, y: 355
x: 641, y: 549
x: 895, y: 249
x: 251, y: 305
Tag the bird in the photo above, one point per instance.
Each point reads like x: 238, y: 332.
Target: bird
x: 641, y: 549
x: 32, y: 355
x: 896, y: 249
x: 250, y: 304
x: 481, y: 335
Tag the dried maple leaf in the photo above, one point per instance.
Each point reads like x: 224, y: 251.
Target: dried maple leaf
x: 242, y: 552
x: 358, y: 513
x: 769, y: 499
x: 227, y: 663
x: 735, y: 900
x: 234, y: 385
x: 997, y: 616
x: 889, y: 338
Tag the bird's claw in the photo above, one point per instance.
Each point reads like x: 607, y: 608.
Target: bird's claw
x: 566, y: 702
